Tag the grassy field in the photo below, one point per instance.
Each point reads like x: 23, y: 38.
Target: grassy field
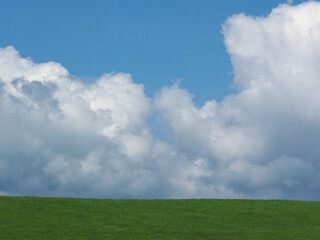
x: 65, y: 218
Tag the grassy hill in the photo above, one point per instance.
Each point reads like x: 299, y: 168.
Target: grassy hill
x: 65, y: 218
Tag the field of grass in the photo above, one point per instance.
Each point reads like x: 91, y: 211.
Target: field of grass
x: 65, y: 218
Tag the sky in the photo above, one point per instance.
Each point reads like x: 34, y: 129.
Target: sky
x: 158, y: 42
x: 160, y: 99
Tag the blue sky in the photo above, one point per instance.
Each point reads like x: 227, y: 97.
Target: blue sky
x: 75, y: 120
x: 158, y: 42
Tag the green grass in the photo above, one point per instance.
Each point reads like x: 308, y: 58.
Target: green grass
x: 65, y: 218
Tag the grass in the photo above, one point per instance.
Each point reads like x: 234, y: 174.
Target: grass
x: 65, y: 218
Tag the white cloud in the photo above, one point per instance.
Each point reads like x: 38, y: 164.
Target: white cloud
x: 62, y: 137
x: 268, y: 132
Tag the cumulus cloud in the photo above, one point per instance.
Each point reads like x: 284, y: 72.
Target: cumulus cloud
x: 60, y: 136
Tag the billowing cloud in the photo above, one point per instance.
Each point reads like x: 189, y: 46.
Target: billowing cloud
x: 60, y: 136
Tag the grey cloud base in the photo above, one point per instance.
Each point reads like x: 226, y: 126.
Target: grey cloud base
x: 62, y: 137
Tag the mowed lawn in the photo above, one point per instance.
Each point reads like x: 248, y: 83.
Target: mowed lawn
x: 66, y: 218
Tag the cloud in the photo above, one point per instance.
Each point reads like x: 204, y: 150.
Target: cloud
x: 60, y: 136
x: 262, y: 141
